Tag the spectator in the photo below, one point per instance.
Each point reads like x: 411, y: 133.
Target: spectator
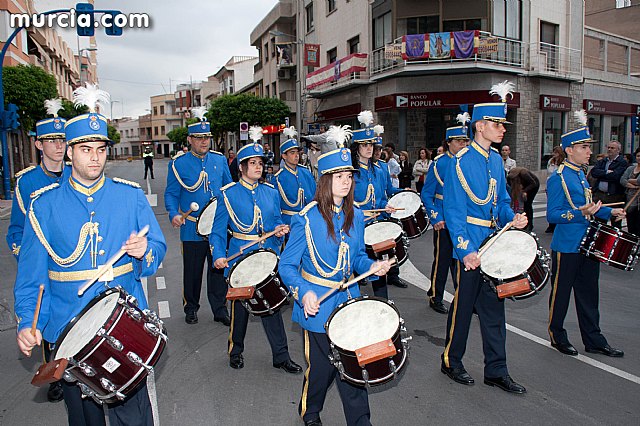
x: 421, y: 167
x: 440, y: 150
x: 630, y: 181
x: 557, y: 157
x: 148, y: 162
x: 233, y: 169
x: 607, y: 174
x: 629, y: 158
x: 509, y: 163
x: 392, y: 147
x: 524, y: 187
x: 406, y: 171
x: 269, y: 155
x: 394, y: 167
x: 268, y: 177
x: 231, y: 156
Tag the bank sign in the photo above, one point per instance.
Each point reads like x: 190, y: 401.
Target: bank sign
x: 439, y: 100
x: 555, y: 103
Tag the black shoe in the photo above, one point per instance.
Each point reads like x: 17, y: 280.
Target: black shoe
x: 399, y: 282
x: 565, y: 348
x: 191, y: 318
x: 236, y: 361
x: 438, y: 307
x: 54, y: 394
x: 459, y: 375
x: 314, y: 422
x: 289, y: 366
x: 606, y: 350
x: 505, y: 383
x: 224, y: 319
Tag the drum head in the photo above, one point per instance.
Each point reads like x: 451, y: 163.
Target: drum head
x: 363, y: 323
x: 409, y: 200
x: 86, y: 326
x: 253, y: 269
x: 205, y: 220
x: 511, y: 255
x: 381, y: 231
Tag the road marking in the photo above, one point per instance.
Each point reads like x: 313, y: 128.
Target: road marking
x: 153, y: 397
x: 148, y: 186
x: 160, y: 283
x: 163, y: 309
x: 160, y: 267
x: 144, y: 287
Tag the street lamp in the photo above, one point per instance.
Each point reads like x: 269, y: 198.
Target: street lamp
x: 111, y: 113
x: 299, y: 94
x: 87, y: 49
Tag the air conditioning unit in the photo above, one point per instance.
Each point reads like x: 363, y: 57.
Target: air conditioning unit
x: 284, y: 74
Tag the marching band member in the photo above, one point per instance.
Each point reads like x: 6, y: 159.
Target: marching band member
x: 295, y: 183
x: 87, y: 218
x: 432, y: 196
x: 197, y: 176
x: 250, y: 208
x: 569, y: 206
x: 475, y: 201
x: 327, y: 239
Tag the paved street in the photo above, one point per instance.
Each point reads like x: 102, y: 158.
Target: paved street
x: 195, y: 386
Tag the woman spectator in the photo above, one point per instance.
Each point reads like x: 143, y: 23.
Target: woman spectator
x: 524, y: 187
x: 557, y: 157
x: 394, y: 167
x: 406, y: 171
x: 630, y: 181
x: 421, y: 167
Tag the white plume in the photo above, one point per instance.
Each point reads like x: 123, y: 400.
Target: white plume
x: 337, y: 136
x: 92, y: 97
x: 365, y: 118
x: 53, y: 106
x: 581, y: 117
x: 503, y: 90
x: 378, y: 129
x: 255, y: 133
x: 463, y: 118
x: 290, y: 132
x: 199, y: 113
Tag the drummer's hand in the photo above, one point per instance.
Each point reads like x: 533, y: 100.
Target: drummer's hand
x: 177, y: 221
x: 389, y: 209
x: 310, y: 304
x: 591, y: 208
x: 221, y: 263
x: 619, y: 214
x: 520, y: 221
x: 384, y: 266
x: 281, y: 230
x: 438, y: 226
x: 135, y: 246
x: 471, y: 261
x: 26, y: 341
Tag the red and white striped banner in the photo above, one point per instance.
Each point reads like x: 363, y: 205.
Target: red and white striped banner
x: 356, y: 62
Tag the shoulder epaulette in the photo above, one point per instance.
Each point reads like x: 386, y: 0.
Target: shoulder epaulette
x: 179, y: 154
x: 23, y: 171
x: 127, y: 182
x: 438, y: 156
x: 215, y: 152
x: 560, y: 169
x: 269, y: 184
x: 278, y: 172
x: 462, y: 152
x: 495, y: 149
x: 308, y: 207
x: 39, y: 192
x: 227, y: 186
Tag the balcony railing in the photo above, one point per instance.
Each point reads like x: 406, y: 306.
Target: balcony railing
x: 555, y: 61
x: 346, y: 71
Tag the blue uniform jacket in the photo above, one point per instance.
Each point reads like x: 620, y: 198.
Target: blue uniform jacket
x: 567, y: 190
x: 296, y: 188
x: 191, y: 178
x: 433, y: 190
x: 28, y: 180
x: 248, y: 211
x: 475, y: 192
x: 299, y: 271
x: 70, y: 231
x: 371, y: 187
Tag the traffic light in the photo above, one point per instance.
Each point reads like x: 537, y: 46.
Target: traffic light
x: 85, y: 20
x: 11, y: 117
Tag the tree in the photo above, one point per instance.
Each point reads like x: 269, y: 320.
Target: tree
x: 113, y: 134
x: 228, y: 111
x: 28, y: 87
x: 178, y: 136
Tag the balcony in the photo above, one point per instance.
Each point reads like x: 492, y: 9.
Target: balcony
x: 340, y: 75
x: 549, y: 60
x: 289, y: 98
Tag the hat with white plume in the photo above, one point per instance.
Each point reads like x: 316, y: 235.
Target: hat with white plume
x: 51, y: 128
x: 201, y: 128
x: 92, y: 126
x: 581, y: 134
x: 495, y: 111
x: 335, y: 156
x: 290, y: 133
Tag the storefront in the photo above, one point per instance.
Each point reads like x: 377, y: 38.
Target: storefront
x: 554, y: 110
x: 611, y: 121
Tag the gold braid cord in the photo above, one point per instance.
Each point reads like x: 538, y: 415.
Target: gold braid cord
x: 299, y: 200
x: 435, y: 172
x: 370, y: 196
x: 343, y: 262
x: 587, y: 193
x: 19, y: 197
x: 203, y: 176
x: 245, y: 229
x: 467, y: 189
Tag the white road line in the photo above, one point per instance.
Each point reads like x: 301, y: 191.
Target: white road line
x: 160, y: 267
x: 160, y: 283
x: 148, y: 186
x: 144, y: 287
x: 153, y: 397
x: 163, y: 309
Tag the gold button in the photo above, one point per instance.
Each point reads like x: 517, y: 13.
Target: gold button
x: 101, y: 252
x: 99, y: 238
x: 90, y: 200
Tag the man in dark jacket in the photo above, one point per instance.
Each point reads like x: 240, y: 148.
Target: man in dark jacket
x: 148, y: 162
x: 608, y: 172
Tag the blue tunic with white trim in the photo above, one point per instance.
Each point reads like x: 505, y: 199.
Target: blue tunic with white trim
x: 296, y: 188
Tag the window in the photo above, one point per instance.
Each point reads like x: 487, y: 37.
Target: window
x: 462, y: 25
x: 259, y: 54
x: 309, y: 14
x: 420, y: 25
x: 266, y: 91
x: 161, y: 109
x: 162, y: 130
x: 332, y: 55
x: 155, y: 110
x: 595, y: 129
x: 548, y: 44
x: 551, y: 131
x: 623, y: 3
x: 331, y: 6
x: 273, y: 47
x: 266, y: 52
x: 507, y: 18
x: 382, y: 30
x: 354, y: 45
x: 274, y: 92
x: 618, y: 128
x: 155, y: 131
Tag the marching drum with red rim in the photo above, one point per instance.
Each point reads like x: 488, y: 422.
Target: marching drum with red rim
x: 610, y: 245
x: 414, y: 217
x: 383, y: 230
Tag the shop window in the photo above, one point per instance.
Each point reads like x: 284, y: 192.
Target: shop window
x: 595, y: 129
x: 552, y: 129
x: 618, y: 128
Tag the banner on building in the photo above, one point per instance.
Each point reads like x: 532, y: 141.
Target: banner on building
x: 488, y: 46
x: 312, y: 55
x: 393, y: 51
x: 356, y: 62
x: 284, y: 57
x: 415, y: 46
x: 439, y: 45
x: 465, y: 44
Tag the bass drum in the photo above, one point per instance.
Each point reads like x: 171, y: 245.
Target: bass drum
x: 204, y: 223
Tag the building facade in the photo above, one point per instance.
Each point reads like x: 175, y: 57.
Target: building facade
x: 164, y: 118
x: 130, y: 145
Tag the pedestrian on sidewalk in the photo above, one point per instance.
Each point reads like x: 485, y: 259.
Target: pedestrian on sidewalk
x: 148, y: 162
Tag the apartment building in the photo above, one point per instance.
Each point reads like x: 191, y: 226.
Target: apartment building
x: 164, y: 118
x: 130, y: 145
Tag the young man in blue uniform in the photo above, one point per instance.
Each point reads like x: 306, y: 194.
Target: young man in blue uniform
x: 249, y: 209
x: 326, y: 247
x: 432, y: 196
x: 569, y: 206
x: 197, y: 176
x: 294, y: 183
x: 475, y: 201
x: 88, y: 218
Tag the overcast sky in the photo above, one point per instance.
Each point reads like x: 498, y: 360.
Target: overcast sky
x: 188, y: 39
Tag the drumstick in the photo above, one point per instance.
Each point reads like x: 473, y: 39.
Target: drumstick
x: 484, y: 249
x: 626, y: 207
x: 382, y: 210
x: 353, y: 281
x: 34, y: 324
x: 371, y: 217
x: 603, y: 205
x: 193, y: 207
x: 251, y: 244
x: 109, y: 264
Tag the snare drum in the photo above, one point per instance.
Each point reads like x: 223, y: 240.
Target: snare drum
x: 612, y: 246
x: 204, y: 223
x: 362, y: 322
x: 383, y: 230
x: 259, y: 269
x: 515, y: 265
x: 111, y: 346
x: 414, y: 217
